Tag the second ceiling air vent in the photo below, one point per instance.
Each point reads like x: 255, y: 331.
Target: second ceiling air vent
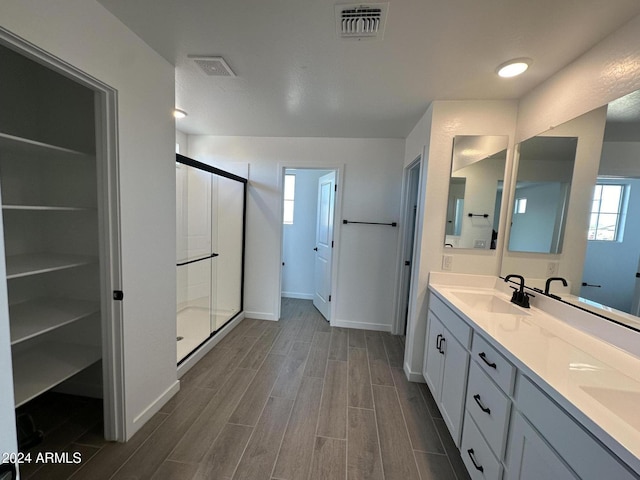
x: 213, y: 66
x: 361, y: 21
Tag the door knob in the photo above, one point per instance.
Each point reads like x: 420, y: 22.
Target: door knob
x: 315, y: 249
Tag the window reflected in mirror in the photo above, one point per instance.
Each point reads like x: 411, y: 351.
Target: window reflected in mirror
x: 475, y: 191
x: 606, y: 212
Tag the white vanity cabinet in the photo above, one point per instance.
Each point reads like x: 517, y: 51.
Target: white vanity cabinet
x: 446, y: 363
x: 487, y: 410
x: 505, y: 420
x: 531, y: 457
x: 543, y: 431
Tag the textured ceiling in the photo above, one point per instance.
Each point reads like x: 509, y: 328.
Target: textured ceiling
x: 295, y: 77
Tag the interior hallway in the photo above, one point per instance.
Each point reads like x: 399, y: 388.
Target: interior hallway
x: 290, y: 400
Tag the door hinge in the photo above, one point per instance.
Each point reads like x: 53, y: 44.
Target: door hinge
x: 331, y: 243
x: 329, y: 297
x: 335, y: 187
x: 118, y: 294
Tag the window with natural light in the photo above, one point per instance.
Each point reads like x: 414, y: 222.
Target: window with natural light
x: 289, y: 196
x: 606, y: 212
x: 521, y: 205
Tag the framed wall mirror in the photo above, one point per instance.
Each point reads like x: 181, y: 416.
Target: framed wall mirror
x: 475, y: 191
x: 541, y: 199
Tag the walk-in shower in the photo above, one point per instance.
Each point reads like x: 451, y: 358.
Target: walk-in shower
x: 210, y: 221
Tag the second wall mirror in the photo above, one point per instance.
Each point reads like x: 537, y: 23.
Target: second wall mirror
x: 475, y: 191
x: 543, y: 184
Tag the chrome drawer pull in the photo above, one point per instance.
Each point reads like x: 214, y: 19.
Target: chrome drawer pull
x: 483, y: 356
x: 487, y: 410
x: 473, y: 459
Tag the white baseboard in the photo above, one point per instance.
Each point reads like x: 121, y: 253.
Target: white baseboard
x: 301, y: 296
x: 261, y: 316
x: 415, y: 377
x: 151, y: 410
x: 381, y: 327
x: 206, y: 347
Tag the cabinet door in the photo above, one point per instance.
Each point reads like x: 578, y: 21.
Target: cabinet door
x: 530, y: 457
x: 454, y: 383
x: 432, y: 369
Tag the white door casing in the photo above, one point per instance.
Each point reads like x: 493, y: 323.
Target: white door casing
x: 324, y: 244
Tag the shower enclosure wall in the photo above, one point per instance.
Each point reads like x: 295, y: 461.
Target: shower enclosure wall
x: 210, y: 213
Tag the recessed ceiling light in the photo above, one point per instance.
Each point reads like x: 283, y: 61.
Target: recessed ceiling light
x: 514, y: 67
x: 177, y: 113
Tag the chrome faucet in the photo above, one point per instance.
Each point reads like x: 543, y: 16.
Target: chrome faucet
x: 519, y: 297
x: 547, y: 285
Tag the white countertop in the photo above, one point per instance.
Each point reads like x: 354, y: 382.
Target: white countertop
x: 597, y: 382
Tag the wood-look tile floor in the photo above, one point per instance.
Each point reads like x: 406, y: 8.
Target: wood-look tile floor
x: 288, y: 400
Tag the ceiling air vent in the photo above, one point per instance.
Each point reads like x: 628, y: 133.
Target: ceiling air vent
x: 361, y: 21
x: 213, y: 66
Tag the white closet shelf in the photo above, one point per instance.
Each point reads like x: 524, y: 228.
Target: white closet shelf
x: 11, y: 143
x: 37, y: 263
x: 47, y: 365
x: 35, y: 317
x: 46, y: 208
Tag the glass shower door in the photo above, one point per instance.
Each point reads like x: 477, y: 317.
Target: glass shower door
x: 228, y: 233
x: 210, y: 213
x: 194, y: 257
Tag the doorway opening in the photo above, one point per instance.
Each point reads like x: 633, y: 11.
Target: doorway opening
x: 61, y: 242
x: 410, y: 216
x: 308, y: 243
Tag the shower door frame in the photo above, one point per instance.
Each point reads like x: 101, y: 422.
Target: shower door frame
x: 184, y: 160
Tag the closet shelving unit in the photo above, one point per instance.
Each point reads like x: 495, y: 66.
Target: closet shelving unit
x: 51, y: 253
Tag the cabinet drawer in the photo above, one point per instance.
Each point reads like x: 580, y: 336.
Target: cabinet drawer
x: 493, y: 363
x: 476, y: 454
x: 489, y: 407
x: 583, y: 453
x: 451, y: 321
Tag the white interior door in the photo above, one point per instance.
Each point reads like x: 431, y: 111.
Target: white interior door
x: 324, y: 244
x: 409, y: 236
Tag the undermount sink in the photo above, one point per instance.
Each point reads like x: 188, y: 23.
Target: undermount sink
x: 488, y: 302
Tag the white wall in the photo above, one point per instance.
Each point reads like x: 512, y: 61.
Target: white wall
x: 434, y: 133
x: 84, y: 34
x: 300, y: 237
x: 182, y: 142
x: 620, y: 159
x: 364, y: 290
x: 608, y: 71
